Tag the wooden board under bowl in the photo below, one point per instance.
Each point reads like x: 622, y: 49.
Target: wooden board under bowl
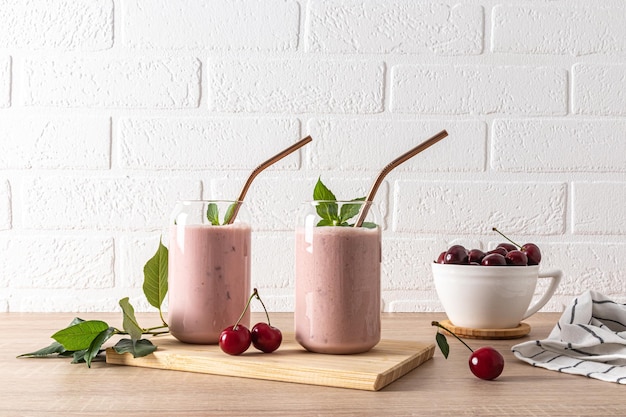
x: 373, y: 370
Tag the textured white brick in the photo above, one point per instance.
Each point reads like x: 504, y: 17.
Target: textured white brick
x: 134, y: 252
x: 475, y: 207
x: 478, y: 89
x: 410, y: 301
x: 599, y: 89
x: 101, y: 82
x: 5, y: 82
x: 75, y: 300
x: 103, y: 203
x: 406, y: 263
x: 184, y: 143
x: 274, y: 203
x: 598, y: 208
x: 58, y: 262
x: 397, y: 27
x: 296, y: 86
x: 559, y: 29
x: 559, y: 145
x: 80, y: 25
x: 369, y: 145
x: 5, y: 205
x: 223, y: 25
x: 585, y: 265
x: 55, y: 142
x: 273, y: 260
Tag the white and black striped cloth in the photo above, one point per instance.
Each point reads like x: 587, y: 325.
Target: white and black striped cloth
x: 588, y: 340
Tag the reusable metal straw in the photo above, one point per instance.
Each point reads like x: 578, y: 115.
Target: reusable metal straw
x: 261, y: 167
x: 402, y: 158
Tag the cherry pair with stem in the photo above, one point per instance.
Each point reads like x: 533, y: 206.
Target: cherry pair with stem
x: 485, y: 362
x: 236, y: 339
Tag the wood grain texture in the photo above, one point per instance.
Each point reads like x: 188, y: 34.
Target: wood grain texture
x: 373, y: 370
x: 439, y: 387
x: 490, y: 334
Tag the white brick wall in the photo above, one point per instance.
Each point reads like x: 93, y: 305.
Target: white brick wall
x: 110, y: 110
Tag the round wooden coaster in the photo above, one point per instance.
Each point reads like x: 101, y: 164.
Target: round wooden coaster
x: 516, y: 332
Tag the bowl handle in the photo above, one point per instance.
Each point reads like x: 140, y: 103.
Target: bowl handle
x: 555, y: 275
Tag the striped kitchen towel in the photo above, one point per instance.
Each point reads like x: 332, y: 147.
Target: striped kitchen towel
x: 589, y: 340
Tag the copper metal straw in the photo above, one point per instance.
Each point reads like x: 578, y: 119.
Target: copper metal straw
x: 261, y: 167
x: 402, y: 158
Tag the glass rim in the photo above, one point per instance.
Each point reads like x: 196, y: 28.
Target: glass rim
x: 190, y: 201
x: 339, y: 201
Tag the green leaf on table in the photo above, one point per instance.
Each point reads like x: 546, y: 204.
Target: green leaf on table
x: 79, y: 336
x: 155, y: 277
x: 52, y: 349
x: 137, y: 348
x: 96, y: 344
x: 130, y: 321
x: 79, y: 356
x: 442, y: 342
x: 212, y: 214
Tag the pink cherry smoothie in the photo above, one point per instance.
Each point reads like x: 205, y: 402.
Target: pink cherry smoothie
x: 337, y: 306
x: 209, y: 280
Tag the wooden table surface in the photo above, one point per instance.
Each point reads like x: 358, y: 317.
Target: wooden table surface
x: 439, y: 387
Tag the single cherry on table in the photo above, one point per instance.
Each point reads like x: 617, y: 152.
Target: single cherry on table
x: 485, y: 362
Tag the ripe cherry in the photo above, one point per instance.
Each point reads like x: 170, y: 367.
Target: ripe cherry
x: 485, y: 362
x: 235, y: 340
x: 516, y: 258
x: 456, y: 254
x: 499, y: 250
x: 508, y: 246
x: 441, y: 258
x: 493, y: 259
x: 266, y: 338
x: 531, y: 250
x: 476, y: 255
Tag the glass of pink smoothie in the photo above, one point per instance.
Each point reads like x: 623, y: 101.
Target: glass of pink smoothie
x: 208, y: 270
x: 338, y: 302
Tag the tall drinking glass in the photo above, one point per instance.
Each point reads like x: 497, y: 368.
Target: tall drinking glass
x: 208, y: 270
x: 337, y: 305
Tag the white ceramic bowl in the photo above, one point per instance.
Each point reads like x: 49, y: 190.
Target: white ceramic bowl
x: 490, y: 297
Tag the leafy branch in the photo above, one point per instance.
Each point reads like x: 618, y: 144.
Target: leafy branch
x: 83, y: 339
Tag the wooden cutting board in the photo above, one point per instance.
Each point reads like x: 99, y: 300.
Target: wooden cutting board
x: 373, y: 370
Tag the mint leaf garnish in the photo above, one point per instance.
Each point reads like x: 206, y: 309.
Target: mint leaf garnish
x: 212, y: 214
x: 329, y: 211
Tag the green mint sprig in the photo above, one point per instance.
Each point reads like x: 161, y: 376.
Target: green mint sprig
x: 83, y: 339
x: 213, y: 215
x: 329, y: 210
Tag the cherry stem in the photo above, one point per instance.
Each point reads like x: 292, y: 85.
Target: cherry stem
x: 436, y: 323
x: 258, y: 297
x: 254, y: 293
x: 506, y: 237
